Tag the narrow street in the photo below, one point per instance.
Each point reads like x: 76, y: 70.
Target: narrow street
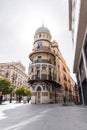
x: 45, y: 117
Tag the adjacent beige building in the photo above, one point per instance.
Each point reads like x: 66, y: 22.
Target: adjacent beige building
x: 15, y: 72
x: 49, y: 75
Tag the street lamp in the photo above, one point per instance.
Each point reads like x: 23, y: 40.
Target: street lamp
x: 14, y: 77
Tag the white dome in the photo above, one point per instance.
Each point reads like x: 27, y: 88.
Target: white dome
x: 42, y: 29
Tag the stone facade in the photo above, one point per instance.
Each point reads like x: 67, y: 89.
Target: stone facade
x: 49, y: 75
x: 78, y: 27
x: 15, y: 72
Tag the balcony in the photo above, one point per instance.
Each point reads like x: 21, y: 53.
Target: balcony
x: 42, y: 61
x: 40, y: 51
x: 42, y: 48
x: 42, y: 72
x: 43, y: 77
x: 41, y: 64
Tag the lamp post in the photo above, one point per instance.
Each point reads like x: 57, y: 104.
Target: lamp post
x: 14, y: 77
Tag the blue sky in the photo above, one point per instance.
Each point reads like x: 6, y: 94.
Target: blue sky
x: 19, y: 20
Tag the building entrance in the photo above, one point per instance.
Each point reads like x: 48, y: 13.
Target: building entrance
x: 84, y: 87
x: 38, y: 98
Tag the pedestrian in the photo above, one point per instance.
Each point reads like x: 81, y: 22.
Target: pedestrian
x: 1, y: 98
x: 10, y: 99
x: 28, y: 98
x: 64, y: 99
x: 20, y: 98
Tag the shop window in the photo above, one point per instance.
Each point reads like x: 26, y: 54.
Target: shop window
x: 81, y: 66
x: 33, y: 87
x: 43, y: 87
x: 46, y: 87
x: 85, y: 48
x: 53, y: 88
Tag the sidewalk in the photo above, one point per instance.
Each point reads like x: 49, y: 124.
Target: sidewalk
x: 6, y: 106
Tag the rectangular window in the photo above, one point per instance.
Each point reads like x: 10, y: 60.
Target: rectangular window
x: 39, y: 44
x: 64, y: 69
x: 65, y: 78
x: 39, y: 57
x: 38, y: 73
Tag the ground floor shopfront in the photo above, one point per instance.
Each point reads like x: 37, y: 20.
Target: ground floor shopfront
x: 43, y: 92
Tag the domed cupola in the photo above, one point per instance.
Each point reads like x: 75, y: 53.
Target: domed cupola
x: 42, y: 33
x: 42, y: 39
x: 42, y: 29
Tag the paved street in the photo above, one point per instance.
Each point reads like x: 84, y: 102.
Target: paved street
x: 44, y: 117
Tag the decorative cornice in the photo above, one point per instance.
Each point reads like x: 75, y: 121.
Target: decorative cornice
x: 42, y: 40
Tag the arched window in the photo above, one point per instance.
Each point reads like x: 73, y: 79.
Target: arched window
x: 38, y: 73
x: 50, y: 73
x: 39, y: 88
x: 31, y: 69
x: 43, y: 69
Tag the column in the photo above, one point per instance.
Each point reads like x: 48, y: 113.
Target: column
x: 40, y: 71
x: 52, y: 73
x: 34, y: 71
x: 47, y: 71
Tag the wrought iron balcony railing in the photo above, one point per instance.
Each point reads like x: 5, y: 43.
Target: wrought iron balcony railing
x: 42, y: 77
x: 42, y: 61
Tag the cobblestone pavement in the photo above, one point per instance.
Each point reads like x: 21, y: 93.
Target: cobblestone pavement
x: 45, y: 117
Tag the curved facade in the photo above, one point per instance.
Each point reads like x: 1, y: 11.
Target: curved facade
x: 47, y: 78
x: 42, y: 71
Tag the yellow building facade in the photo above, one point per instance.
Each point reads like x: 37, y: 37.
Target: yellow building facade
x: 47, y: 69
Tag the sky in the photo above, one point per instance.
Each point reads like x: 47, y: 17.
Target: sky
x: 19, y: 19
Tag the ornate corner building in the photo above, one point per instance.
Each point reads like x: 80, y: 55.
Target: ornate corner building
x: 48, y: 72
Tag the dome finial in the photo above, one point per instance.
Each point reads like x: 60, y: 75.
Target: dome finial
x: 42, y: 23
x: 42, y: 29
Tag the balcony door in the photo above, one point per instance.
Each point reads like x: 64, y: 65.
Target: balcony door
x: 39, y: 59
x: 38, y: 74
